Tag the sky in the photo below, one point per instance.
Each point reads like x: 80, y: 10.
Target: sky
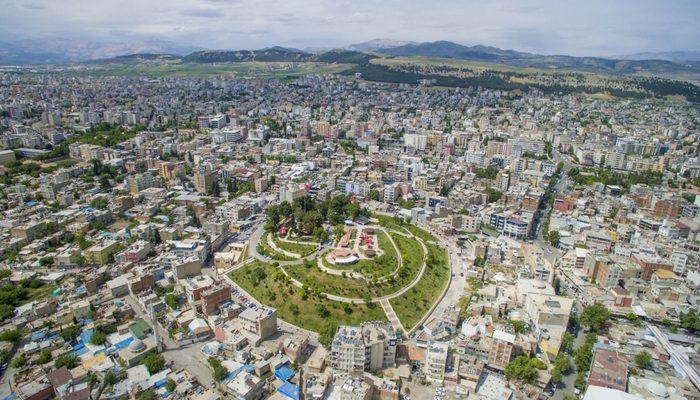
x: 574, y: 27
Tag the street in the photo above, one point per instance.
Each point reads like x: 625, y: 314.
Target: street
x: 456, y: 286
x: 187, y: 357
x: 567, y: 385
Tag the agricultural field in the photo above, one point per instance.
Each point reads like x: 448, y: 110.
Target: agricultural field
x: 277, y: 70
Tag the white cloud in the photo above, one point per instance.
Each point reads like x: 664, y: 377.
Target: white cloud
x: 578, y: 27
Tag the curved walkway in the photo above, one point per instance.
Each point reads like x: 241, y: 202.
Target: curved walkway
x: 337, y: 272
x: 284, y: 239
x: 256, y: 237
x: 358, y: 275
x: 273, y: 245
x: 355, y: 300
x: 382, y: 300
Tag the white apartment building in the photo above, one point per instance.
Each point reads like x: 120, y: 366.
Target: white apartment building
x: 436, y: 361
x: 679, y: 260
x: 369, y: 347
x: 391, y: 192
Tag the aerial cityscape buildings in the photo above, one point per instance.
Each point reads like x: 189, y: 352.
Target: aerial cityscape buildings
x: 353, y: 226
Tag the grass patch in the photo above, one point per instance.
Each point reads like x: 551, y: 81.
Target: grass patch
x: 297, y: 248
x: 382, y: 266
x: 339, y: 285
x: 39, y: 293
x: 399, y: 225
x: 394, y: 223
x: 412, y: 256
x: 415, y: 303
x: 268, y: 251
x: 311, y: 276
x: 269, y: 286
x: 421, y: 233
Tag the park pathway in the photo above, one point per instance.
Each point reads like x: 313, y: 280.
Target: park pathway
x: 259, y: 234
x: 391, y: 315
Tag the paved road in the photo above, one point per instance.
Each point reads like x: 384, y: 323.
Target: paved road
x: 567, y: 385
x: 552, y: 254
x: 455, y: 290
x: 187, y: 357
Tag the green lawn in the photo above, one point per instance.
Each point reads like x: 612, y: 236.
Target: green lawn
x: 267, y: 284
x: 412, y: 256
x: 339, y: 285
x: 396, y: 224
x: 412, y: 305
x: 421, y: 233
x: 298, y: 248
x: 40, y: 293
x: 381, y: 266
x: 266, y: 250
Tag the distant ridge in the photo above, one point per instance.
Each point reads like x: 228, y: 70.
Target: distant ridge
x: 344, y: 57
x: 376, y: 44
x: 62, y: 50
x: 675, y: 56
x: 270, y: 54
x: 446, y: 49
x: 139, y: 57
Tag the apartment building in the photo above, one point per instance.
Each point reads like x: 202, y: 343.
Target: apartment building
x: 101, y: 253
x: 369, y: 347
x: 215, y: 295
x: 204, y: 180
x: 139, y: 182
x: 501, y: 349
x: 436, y: 361
x: 261, y: 322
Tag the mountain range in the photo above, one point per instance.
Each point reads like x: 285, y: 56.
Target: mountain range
x: 376, y: 44
x: 675, y: 56
x: 62, y: 50
x: 35, y: 51
x: 445, y: 49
